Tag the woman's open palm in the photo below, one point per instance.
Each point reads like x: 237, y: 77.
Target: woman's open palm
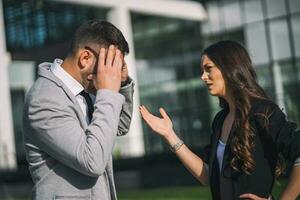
x: 162, y: 126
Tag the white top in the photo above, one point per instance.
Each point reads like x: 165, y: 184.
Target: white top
x: 220, y: 153
x: 72, y: 84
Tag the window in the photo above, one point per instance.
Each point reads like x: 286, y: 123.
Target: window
x: 280, y: 41
x: 36, y: 23
x: 296, y: 33
x: 275, y: 8
x: 253, y: 11
x: 232, y: 14
x: 257, y: 43
x: 294, y: 6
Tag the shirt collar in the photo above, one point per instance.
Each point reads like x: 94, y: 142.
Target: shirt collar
x: 73, y: 85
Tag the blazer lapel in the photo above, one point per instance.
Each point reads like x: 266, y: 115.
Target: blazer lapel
x: 44, y: 71
x: 216, y: 137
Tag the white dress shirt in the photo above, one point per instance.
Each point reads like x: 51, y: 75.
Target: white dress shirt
x: 73, y: 85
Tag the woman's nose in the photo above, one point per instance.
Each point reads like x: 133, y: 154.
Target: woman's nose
x: 204, y: 76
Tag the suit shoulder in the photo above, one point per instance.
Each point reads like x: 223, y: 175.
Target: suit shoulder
x: 43, y: 89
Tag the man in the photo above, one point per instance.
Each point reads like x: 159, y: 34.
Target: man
x: 68, y: 141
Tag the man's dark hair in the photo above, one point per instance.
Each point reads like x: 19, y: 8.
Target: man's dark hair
x: 97, y: 32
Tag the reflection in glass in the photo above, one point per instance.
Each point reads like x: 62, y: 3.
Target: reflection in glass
x: 232, y: 14
x: 290, y: 82
x: 167, y: 70
x: 214, y: 16
x: 256, y: 43
x: 294, y: 6
x: 275, y: 8
x: 33, y: 24
x: 296, y: 33
x: 17, y: 100
x: 253, y: 11
x: 280, y: 39
x: 264, y: 77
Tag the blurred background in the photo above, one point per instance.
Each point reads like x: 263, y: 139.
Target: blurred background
x: 166, y: 38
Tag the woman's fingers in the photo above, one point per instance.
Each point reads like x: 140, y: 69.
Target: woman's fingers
x: 251, y: 196
x: 145, y: 114
x: 164, y: 114
x: 148, y: 117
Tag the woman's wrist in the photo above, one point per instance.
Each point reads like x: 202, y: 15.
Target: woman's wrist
x: 171, y: 138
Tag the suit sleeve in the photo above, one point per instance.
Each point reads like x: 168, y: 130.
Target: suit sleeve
x: 283, y: 133
x: 126, y: 113
x: 55, y: 129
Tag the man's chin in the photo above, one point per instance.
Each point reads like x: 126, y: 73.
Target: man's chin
x: 92, y: 90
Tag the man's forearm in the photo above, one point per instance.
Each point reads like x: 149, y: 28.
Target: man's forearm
x: 127, y: 109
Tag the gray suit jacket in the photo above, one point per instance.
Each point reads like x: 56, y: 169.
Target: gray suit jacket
x: 69, y: 159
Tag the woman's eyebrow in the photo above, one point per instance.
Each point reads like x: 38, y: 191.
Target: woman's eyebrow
x: 207, y: 65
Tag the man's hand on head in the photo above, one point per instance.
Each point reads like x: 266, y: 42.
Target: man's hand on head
x: 108, y: 74
x: 124, y: 73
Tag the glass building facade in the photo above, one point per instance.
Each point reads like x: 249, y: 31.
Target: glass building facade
x: 36, y: 23
x: 168, y: 53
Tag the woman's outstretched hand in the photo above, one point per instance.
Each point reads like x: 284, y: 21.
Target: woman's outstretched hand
x: 163, y: 126
x: 253, y: 197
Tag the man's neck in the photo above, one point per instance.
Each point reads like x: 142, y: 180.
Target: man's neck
x: 70, y: 66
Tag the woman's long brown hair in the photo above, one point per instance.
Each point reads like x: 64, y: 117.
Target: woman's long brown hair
x: 240, y: 78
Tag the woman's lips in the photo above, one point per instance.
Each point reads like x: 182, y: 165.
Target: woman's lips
x: 209, y: 85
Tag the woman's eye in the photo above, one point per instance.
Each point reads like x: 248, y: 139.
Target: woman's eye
x: 208, y: 69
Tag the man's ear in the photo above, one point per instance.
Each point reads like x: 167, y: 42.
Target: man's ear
x: 84, y: 59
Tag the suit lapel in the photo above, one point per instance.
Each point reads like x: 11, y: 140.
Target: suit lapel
x: 44, y: 71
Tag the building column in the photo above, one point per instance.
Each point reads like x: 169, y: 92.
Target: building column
x: 278, y: 85
x: 134, y: 144
x: 7, y: 142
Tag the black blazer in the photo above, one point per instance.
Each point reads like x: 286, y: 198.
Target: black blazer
x: 273, y: 135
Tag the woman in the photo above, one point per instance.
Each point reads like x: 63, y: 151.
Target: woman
x: 248, y: 133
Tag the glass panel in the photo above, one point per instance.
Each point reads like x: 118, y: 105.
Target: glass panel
x: 275, y: 8
x: 168, y: 74
x: 36, y: 23
x: 294, y: 6
x: 280, y: 39
x: 264, y: 77
x: 17, y: 100
x: 253, y: 11
x: 232, y: 14
x: 214, y: 16
x: 256, y: 43
x: 296, y: 33
x: 291, y: 89
x: 205, y: 28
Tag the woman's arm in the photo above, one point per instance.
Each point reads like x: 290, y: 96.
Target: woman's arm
x: 164, y: 127
x: 286, y: 138
x: 190, y: 160
x: 292, y: 190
